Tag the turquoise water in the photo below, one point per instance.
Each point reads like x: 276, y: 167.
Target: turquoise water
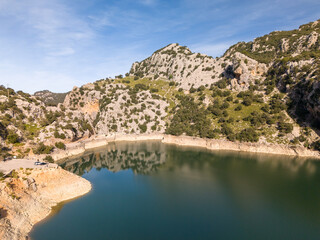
x: 150, y: 190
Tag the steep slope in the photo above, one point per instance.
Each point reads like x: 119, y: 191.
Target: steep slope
x: 293, y: 57
x: 187, y: 69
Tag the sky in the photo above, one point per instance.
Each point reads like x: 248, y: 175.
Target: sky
x: 59, y: 44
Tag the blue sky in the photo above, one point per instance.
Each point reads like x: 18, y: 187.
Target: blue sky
x: 58, y: 44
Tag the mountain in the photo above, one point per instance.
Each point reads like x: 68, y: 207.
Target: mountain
x: 264, y: 91
x: 187, y: 69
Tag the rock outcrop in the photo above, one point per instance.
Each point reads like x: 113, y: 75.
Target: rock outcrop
x: 177, y: 63
x: 28, y: 197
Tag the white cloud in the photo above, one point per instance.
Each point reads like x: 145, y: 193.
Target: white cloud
x: 53, y: 25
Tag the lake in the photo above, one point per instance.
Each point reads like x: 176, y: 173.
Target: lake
x: 150, y: 190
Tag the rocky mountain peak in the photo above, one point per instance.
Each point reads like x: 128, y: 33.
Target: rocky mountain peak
x: 187, y: 69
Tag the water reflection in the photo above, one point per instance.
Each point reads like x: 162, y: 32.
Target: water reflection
x: 169, y: 192
x: 287, y: 182
x: 142, y: 158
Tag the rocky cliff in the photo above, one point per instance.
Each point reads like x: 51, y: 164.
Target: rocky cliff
x: 187, y: 69
x: 28, y: 196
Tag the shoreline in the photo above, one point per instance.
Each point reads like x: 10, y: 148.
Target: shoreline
x: 38, y: 205
x: 36, y: 193
x: 78, y: 148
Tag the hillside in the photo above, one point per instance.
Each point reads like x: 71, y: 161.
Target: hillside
x: 187, y: 69
x: 264, y: 91
x: 50, y: 98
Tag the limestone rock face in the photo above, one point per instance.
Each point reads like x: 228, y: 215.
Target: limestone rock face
x: 25, y: 202
x: 284, y: 45
x: 179, y: 64
x: 243, y: 71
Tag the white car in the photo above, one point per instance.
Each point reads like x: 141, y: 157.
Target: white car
x: 40, y: 163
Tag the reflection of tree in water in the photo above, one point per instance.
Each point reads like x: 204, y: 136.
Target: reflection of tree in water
x: 142, y: 159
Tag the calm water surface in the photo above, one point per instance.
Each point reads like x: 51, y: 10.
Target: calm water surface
x: 149, y: 190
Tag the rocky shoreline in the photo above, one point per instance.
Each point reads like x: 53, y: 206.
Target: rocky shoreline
x: 79, y: 148
x: 28, y: 197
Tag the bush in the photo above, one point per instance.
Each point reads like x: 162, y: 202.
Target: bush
x: 13, y: 138
x: 221, y: 84
x: 247, y: 101
x: 226, y: 130
x: 43, y: 149
x: 143, y: 127
x: 248, y: 135
x: 61, y: 136
x: 285, y: 127
x: 141, y: 86
x: 49, y: 159
x: 238, y: 108
x: 60, y: 145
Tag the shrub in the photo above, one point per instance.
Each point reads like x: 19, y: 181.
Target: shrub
x: 13, y: 138
x: 247, y: 101
x: 221, y: 84
x: 201, y: 88
x: 226, y: 130
x: 49, y: 159
x: 143, y: 127
x: 60, y: 145
x: 238, y: 108
x: 43, y: 149
x: 114, y: 127
x: 141, y: 86
x: 229, y: 99
x: 285, y: 127
x: 57, y: 135
x: 225, y: 105
x: 192, y: 90
x: 248, y: 135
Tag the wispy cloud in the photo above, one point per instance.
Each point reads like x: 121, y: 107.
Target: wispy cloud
x: 54, y: 26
